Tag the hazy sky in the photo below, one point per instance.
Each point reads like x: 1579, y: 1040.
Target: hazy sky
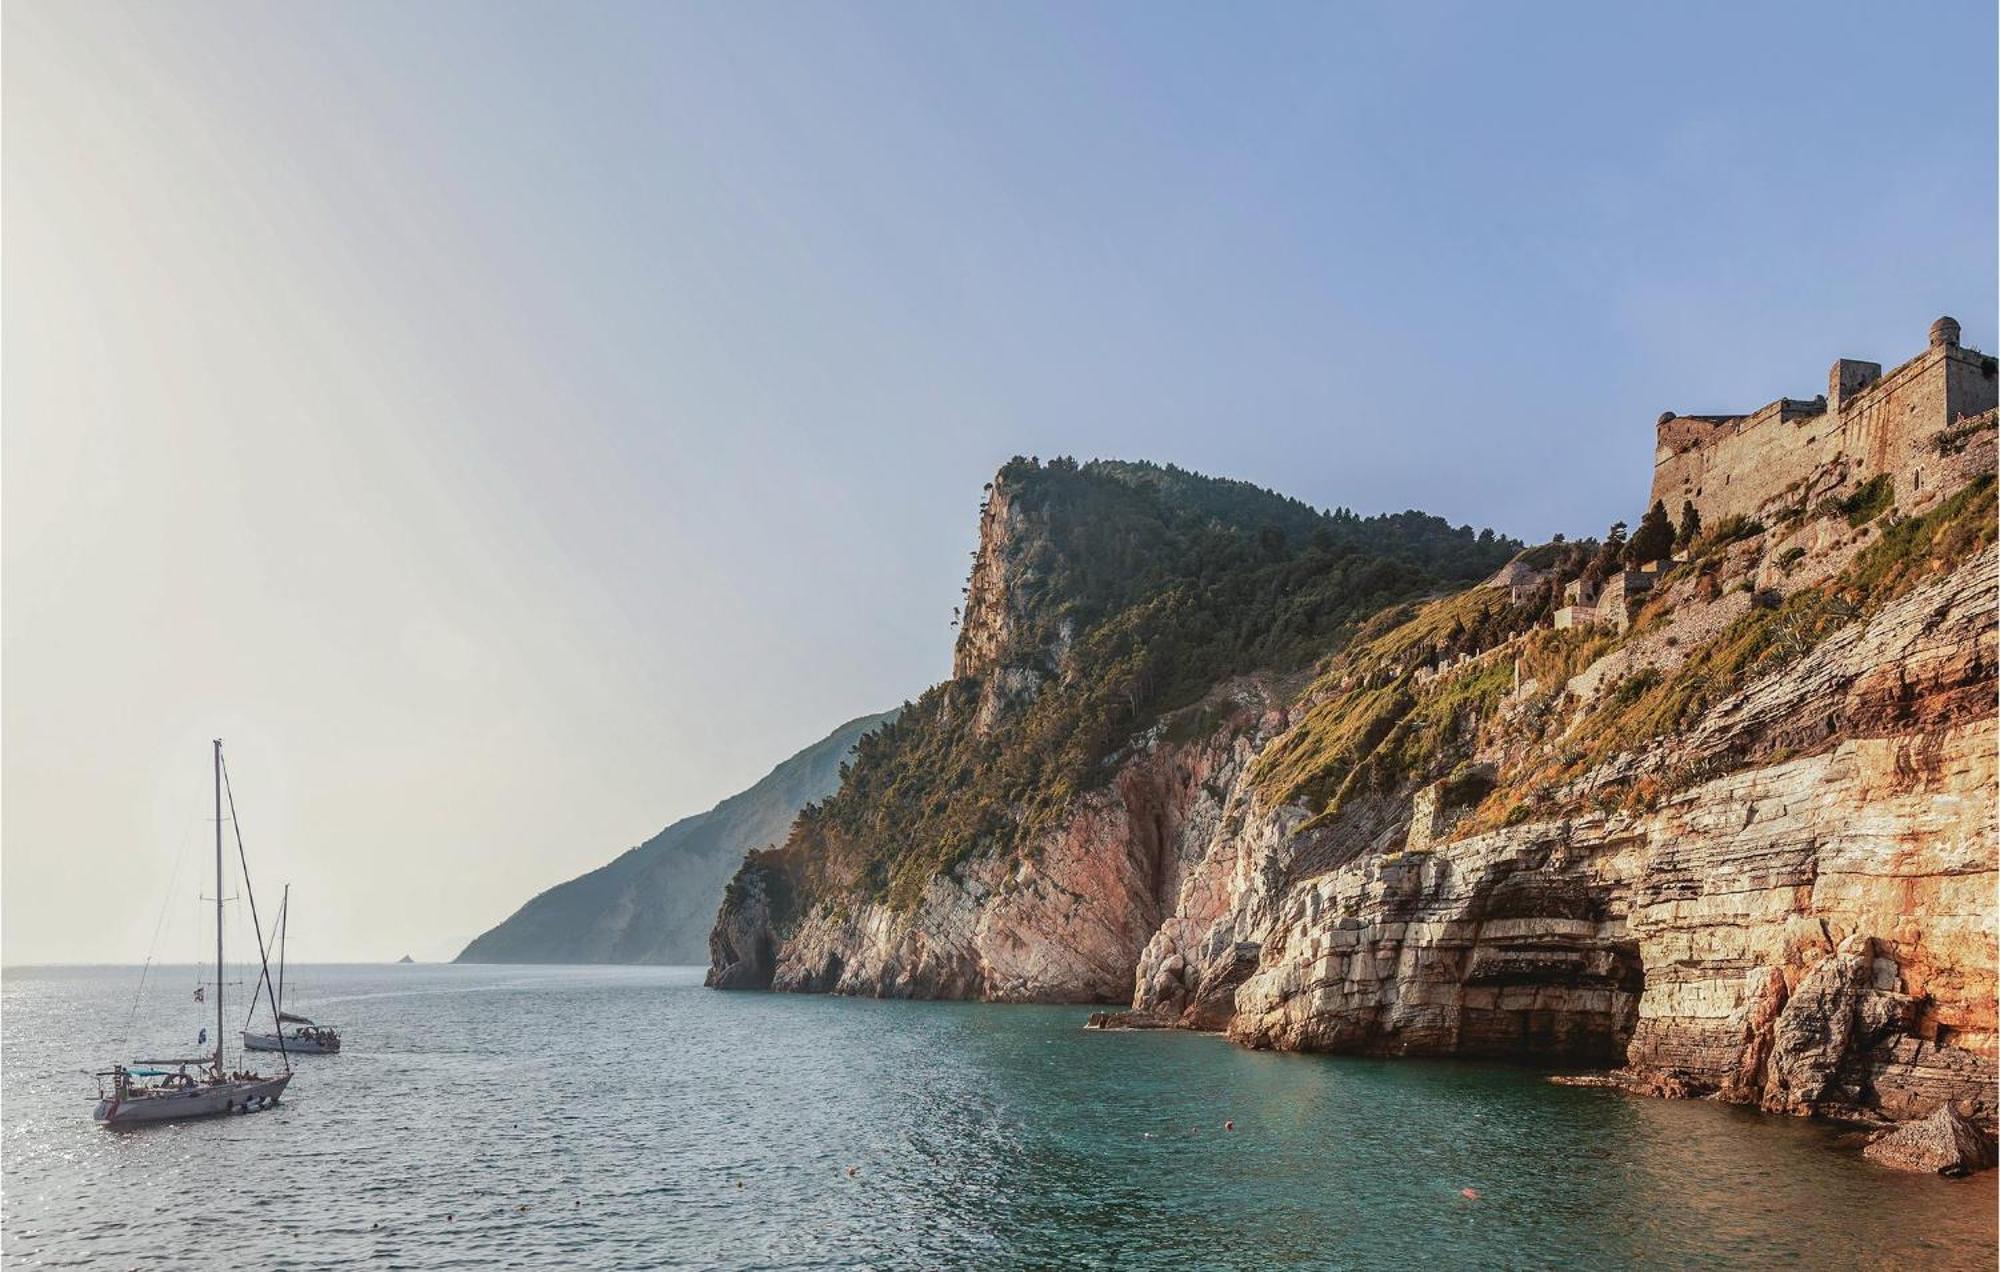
x: 515, y: 426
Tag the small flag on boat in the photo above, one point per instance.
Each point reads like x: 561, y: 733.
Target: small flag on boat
x: 201, y: 993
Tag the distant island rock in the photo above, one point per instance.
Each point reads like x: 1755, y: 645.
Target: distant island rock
x: 657, y: 902
x: 406, y: 959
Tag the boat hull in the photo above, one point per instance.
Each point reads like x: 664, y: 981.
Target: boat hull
x: 292, y: 1046
x: 215, y: 1100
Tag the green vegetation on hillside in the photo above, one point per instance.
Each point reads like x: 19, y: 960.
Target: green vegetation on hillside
x: 1157, y: 584
x: 1873, y: 498
x: 1377, y: 723
x: 1773, y: 635
x: 1373, y: 724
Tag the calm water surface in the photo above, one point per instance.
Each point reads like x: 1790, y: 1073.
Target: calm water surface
x: 628, y: 1118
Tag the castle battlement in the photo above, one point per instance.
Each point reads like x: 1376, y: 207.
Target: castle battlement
x: 1866, y: 424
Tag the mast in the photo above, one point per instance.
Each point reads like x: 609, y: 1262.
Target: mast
x: 284, y: 925
x: 218, y: 907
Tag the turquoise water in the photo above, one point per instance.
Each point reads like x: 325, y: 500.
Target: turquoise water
x: 645, y: 1122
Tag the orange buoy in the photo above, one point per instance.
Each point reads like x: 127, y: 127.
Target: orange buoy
x: 1470, y: 1194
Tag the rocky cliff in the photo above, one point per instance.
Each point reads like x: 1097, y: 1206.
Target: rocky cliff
x: 656, y: 903
x: 1741, y: 843
x: 1783, y: 899
x: 1062, y: 921
x: 1130, y: 633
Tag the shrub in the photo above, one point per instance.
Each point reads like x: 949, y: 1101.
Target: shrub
x: 1731, y: 529
x: 1955, y: 439
x: 1632, y: 687
x: 1467, y: 785
x: 1870, y: 500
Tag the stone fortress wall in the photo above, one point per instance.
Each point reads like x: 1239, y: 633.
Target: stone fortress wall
x: 1796, y: 452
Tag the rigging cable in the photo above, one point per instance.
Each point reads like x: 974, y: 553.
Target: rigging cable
x: 153, y: 946
x: 262, y: 957
x: 276, y: 928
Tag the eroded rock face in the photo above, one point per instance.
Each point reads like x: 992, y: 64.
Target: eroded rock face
x: 1802, y: 924
x: 1810, y: 935
x: 1063, y: 922
x: 1515, y: 946
x: 999, y: 608
x: 1944, y: 1143
x: 742, y: 953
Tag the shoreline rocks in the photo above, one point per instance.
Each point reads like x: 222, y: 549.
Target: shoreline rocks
x: 1945, y: 1143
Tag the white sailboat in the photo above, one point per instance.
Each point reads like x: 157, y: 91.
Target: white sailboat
x: 305, y: 1036
x: 166, y: 1090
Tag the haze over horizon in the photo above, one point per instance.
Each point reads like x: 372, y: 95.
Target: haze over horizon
x: 513, y: 432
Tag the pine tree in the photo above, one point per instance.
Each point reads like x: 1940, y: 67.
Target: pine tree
x: 1609, y: 554
x: 1690, y: 525
x: 1654, y: 539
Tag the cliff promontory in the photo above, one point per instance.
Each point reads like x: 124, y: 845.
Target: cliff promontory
x: 1130, y: 633
x: 1710, y: 805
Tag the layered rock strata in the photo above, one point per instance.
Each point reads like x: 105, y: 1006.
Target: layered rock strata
x: 1064, y: 921
x: 1811, y: 935
x: 1783, y: 900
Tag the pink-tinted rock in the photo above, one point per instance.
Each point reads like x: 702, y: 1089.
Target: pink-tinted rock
x: 1942, y: 1144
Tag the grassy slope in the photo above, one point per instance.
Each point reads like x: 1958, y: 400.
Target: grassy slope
x: 1372, y: 727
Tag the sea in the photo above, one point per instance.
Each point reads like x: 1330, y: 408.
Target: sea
x: 547, y: 1117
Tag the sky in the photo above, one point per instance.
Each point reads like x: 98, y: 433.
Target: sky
x: 513, y: 427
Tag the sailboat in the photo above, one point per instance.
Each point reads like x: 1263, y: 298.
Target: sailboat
x: 306, y: 1037
x: 165, y: 1090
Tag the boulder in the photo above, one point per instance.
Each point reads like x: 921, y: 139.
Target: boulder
x: 1942, y: 1144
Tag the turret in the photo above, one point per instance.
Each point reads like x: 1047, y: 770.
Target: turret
x: 1848, y: 377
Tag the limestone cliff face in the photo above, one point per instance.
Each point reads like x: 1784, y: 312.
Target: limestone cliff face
x: 1063, y: 922
x: 1811, y: 935
x: 986, y: 632
x: 1129, y: 638
x: 993, y: 648
x: 1746, y: 848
